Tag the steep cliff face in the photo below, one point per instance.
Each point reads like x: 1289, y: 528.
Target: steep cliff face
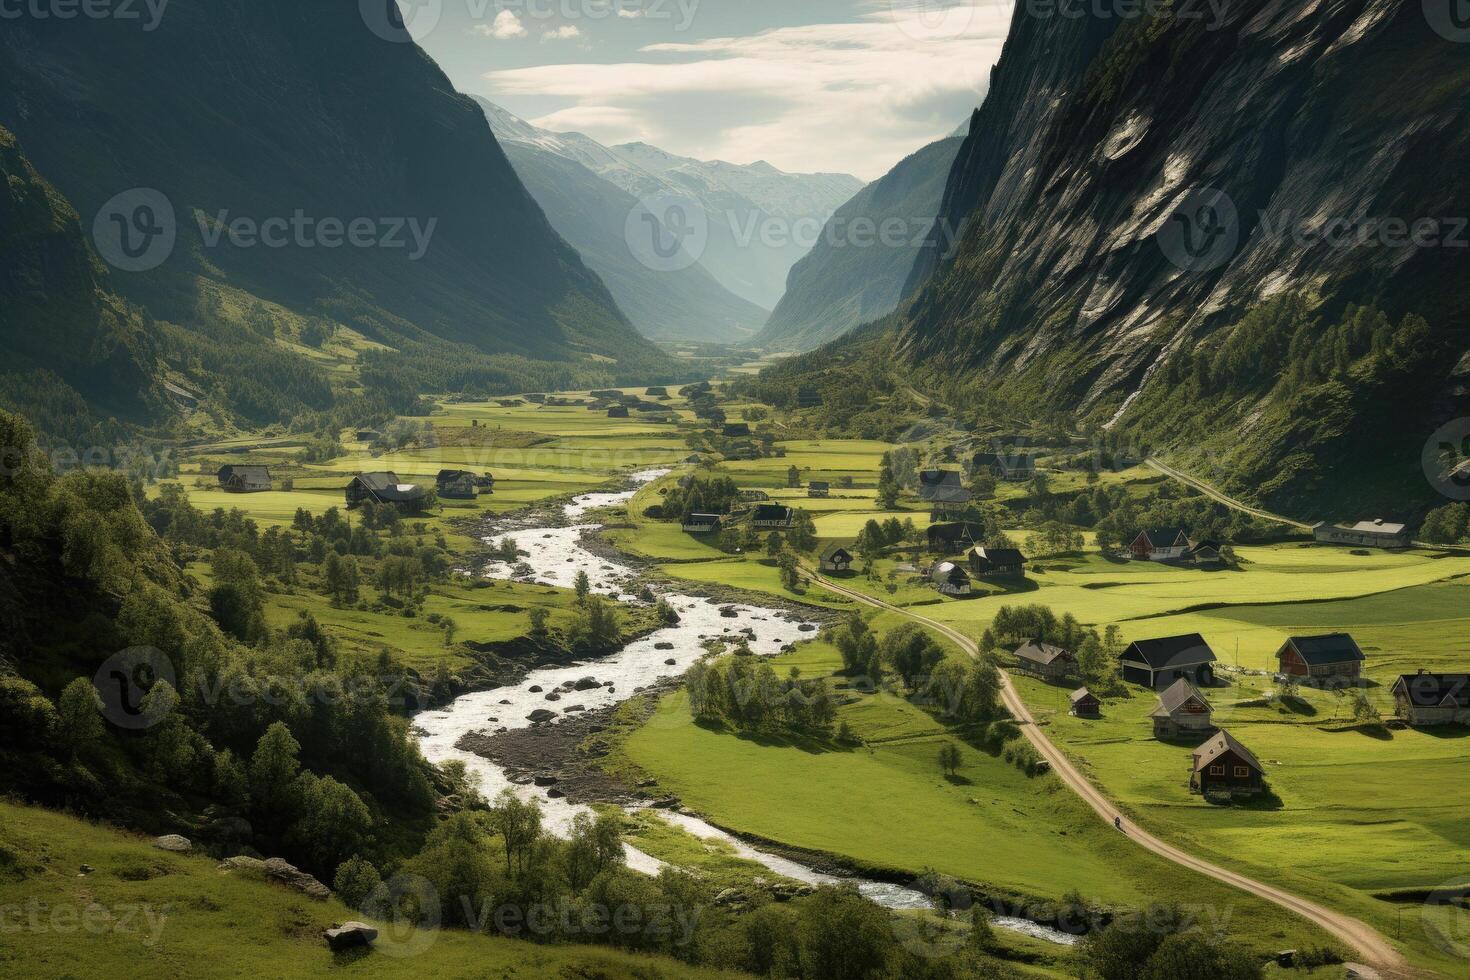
x: 1134, y: 189
x: 857, y: 271
x: 275, y: 110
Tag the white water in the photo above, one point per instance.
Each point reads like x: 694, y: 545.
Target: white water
x: 555, y: 556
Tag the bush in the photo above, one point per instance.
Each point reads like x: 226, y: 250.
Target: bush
x: 356, y: 880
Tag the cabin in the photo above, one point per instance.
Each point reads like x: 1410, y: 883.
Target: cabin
x: 771, y: 517
x: 948, y: 500
x: 735, y: 430
x: 657, y: 391
x: 754, y: 496
x: 536, y: 398
x: 702, y: 524
x: 1364, y: 534
x: 456, y: 485
x: 1160, y: 662
x: 1050, y: 663
x: 1085, y: 704
x: 930, y: 481
x: 1160, y: 544
x: 836, y: 558
x: 808, y: 398
x: 1335, y: 656
x: 244, y: 479
x: 1424, y: 699
x: 950, y: 538
x: 618, y: 412
x: 386, y: 488
x: 950, y: 579
x: 1223, y: 767
x: 485, y: 482
x: 997, y: 562
x: 1005, y: 466
x: 1182, y: 711
x: 818, y: 488
x: 1205, y: 554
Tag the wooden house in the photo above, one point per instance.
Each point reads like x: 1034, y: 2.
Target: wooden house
x: 1158, y: 663
x: 385, y: 488
x: 485, y: 482
x: 835, y: 558
x: 950, y: 579
x: 1043, y: 660
x: 1333, y: 656
x: 954, y: 537
x: 657, y: 391
x: 1432, y: 699
x: 1205, y: 554
x: 1182, y: 711
x: 1085, y: 704
x: 618, y: 412
x: 1005, y: 466
x: 1224, y: 767
x: 235, y: 478
x: 702, y: 524
x: 771, y: 517
x: 1160, y: 544
x: 1364, y: 534
x: 818, y: 488
x: 456, y: 485
x: 736, y: 430
x: 997, y: 562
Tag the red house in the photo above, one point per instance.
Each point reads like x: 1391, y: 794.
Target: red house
x: 1160, y: 544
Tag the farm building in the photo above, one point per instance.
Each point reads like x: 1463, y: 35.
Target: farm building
x: 997, y: 562
x: 933, y: 479
x: 244, y: 479
x: 954, y: 537
x: 1160, y: 544
x: 950, y: 579
x: 386, y: 488
x: 1205, y: 554
x: 702, y: 523
x: 485, y: 481
x: 456, y: 485
x: 1224, y: 767
x: 1335, y: 655
x: 948, y: 500
x: 818, y: 488
x: 657, y: 391
x: 1085, y: 704
x: 1005, y: 466
x: 1182, y: 710
x: 1364, y: 534
x: 536, y: 398
x: 618, y: 412
x: 1433, y: 699
x: 836, y: 558
x: 735, y: 430
x: 1160, y: 662
x: 771, y: 517
x: 1051, y: 663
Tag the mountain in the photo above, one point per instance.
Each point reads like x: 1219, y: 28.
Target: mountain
x: 592, y: 214
x: 312, y: 167
x: 1193, y: 233
x: 854, y: 274
x: 755, y: 222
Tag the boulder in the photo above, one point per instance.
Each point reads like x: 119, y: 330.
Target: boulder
x: 670, y: 662
x: 573, y: 707
x: 278, y: 869
x: 586, y: 684
x: 534, y: 689
x: 173, y: 842
x: 555, y: 794
x: 553, y: 696
x: 547, y: 780
x: 540, y: 715
x: 729, y: 612
x: 350, y: 935
x: 806, y: 628
x: 663, y: 646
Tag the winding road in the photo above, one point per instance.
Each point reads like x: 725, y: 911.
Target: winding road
x: 1375, y: 951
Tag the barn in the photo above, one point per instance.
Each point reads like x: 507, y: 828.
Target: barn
x: 1085, y: 704
x: 997, y: 562
x: 244, y: 479
x: 1160, y: 662
x: 1051, y: 663
x: 1433, y: 699
x: 385, y: 488
x: 1335, y: 656
x: 1224, y: 767
x: 836, y: 558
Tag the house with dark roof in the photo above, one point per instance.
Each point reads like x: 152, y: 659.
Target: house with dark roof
x: 1005, y: 466
x: 1085, y: 704
x: 835, y: 558
x: 931, y: 481
x: 949, y: 579
x: 818, y: 488
x: 1182, y: 711
x: 1333, y: 656
x: 457, y: 485
x: 948, y: 500
x: 954, y: 536
x: 1205, y: 554
x: 736, y: 430
x: 1050, y: 663
x: 702, y: 524
x: 1432, y: 699
x: 771, y: 517
x: 1160, y: 544
x: 997, y: 562
x: 1160, y: 662
x: 657, y: 391
x: 618, y: 412
x: 236, y: 478
x: 1224, y: 767
x: 1364, y: 534
x: 385, y: 488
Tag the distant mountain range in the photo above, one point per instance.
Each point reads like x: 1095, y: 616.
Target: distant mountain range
x: 760, y: 220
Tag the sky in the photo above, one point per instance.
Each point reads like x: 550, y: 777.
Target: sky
x: 840, y: 86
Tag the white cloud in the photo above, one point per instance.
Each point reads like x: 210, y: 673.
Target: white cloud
x: 505, y: 27
x: 566, y: 32
x: 628, y: 13
x: 853, y: 97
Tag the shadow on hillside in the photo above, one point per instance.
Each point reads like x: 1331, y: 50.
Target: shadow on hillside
x: 955, y: 779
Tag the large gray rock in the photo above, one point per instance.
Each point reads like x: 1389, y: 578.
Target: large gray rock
x: 280, y: 871
x: 350, y: 935
x: 173, y: 842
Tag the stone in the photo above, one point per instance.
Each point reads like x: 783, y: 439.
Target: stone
x: 670, y: 662
x: 174, y: 843
x: 547, y: 780
x: 555, y: 794
x: 806, y: 628
x: 729, y: 612
x: 573, y: 707
x: 586, y: 684
x: 553, y: 696
x: 86, y: 869
x: 350, y: 935
x: 278, y: 869
x: 663, y: 645
x: 534, y: 689
x: 540, y: 715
